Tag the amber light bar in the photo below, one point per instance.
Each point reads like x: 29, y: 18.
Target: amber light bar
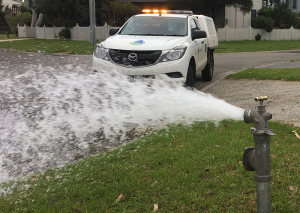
x: 167, y: 11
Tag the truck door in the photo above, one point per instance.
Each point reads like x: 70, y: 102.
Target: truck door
x: 200, y: 47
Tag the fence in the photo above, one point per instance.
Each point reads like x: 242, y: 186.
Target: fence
x: 77, y: 33
x: 232, y: 34
x: 224, y: 34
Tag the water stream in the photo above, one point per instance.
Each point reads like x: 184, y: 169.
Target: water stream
x: 49, y: 118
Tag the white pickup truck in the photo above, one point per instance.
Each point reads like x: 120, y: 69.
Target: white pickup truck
x: 169, y: 45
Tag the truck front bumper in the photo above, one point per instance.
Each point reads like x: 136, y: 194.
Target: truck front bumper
x: 159, y: 70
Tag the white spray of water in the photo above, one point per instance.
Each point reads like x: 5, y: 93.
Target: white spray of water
x: 48, y: 120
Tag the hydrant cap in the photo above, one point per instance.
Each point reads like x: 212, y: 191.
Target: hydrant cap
x: 247, y: 116
x: 261, y: 98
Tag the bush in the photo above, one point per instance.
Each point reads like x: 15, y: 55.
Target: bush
x: 65, y: 33
x: 21, y: 19
x: 281, y: 13
x: 258, y: 37
x: 262, y: 22
x: 69, y: 23
x: 284, y: 17
x: 265, y: 11
x: 297, y: 22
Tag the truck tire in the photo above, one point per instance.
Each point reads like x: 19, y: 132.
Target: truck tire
x: 190, y: 77
x: 208, y: 72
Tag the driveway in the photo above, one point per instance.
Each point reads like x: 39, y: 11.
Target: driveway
x: 283, y: 96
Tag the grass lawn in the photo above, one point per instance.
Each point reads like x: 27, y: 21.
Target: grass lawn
x: 185, y: 169
x: 286, y: 74
x: 3, y: 36
x: 254, y: 46
x: 50, y: 46
x: 84, y: 47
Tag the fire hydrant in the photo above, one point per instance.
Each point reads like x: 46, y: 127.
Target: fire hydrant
x: 257, y: 158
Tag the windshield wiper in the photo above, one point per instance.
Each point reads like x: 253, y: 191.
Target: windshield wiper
x: 156, y: 34
x: 134, y: 34
x: 148, y: 34
x: 174, y: 35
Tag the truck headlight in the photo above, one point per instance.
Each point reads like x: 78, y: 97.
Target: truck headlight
x: 174, y: 54
x: 101, y: 52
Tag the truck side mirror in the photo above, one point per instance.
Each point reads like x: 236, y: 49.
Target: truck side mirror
x: 113, y: 31
x: 198, y: 34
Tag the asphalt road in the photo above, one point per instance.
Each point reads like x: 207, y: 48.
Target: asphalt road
x: 225, y: 63
x: 228, y: 63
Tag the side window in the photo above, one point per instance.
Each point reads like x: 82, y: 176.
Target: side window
x: 194, y: 26
x: 198, y: 25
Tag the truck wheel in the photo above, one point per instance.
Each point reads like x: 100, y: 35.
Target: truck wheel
x: 190, y: 77
x: 207, y: 73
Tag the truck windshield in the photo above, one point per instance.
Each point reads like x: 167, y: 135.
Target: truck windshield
x: 155, y: 26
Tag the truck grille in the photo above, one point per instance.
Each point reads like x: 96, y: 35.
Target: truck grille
x: 134, y: 58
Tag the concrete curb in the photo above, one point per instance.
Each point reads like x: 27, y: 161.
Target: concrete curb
x: 17, y: 39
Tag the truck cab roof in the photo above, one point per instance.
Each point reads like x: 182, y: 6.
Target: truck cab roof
x: 166, y: 15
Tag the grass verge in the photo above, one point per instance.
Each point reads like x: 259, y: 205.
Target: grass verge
x: 3, y: 36
x: 84, y: 47
x: 255, y: 46
x: 50, y: 46
x: 186, y: 169
x: 286, y: 74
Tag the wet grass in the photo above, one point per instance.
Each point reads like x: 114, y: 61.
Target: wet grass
x: 185, y: 169
x: 50, y: 46
x: 84, y: 47
x: 285, y: 74
x: 3, y: 36
x: 255, y: 46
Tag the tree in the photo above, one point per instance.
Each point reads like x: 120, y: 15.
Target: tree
x: 211, y: 7
x: 115, y: 10
x: 7, y: 10
x: 13, y: 21
x: 283, y: 16
x: 35, y: 21
x: 2, y: 15
x: 64, y: 13
x: 99, y: 11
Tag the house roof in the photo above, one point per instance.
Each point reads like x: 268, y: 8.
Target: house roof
x: 146, y: 1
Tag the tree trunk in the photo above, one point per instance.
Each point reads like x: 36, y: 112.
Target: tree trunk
x: 34, y: 18
x: 40, y: 20
x: 34, y: 14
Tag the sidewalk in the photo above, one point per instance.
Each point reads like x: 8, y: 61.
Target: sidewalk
x: 17, y: 39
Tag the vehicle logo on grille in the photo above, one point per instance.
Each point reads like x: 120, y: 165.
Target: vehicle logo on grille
x: 132, y: 57
x: 139, y: 42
